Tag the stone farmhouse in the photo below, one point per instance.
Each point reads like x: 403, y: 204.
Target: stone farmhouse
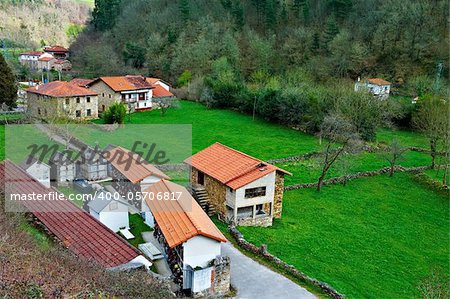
x: 134, y: 91
x: 52, y: 58
x: 242, y: 189
x: 161, y: 89
x: 191, y: 241
x: 59, y: 99
x: 57, y: 51
x: 376, y: 86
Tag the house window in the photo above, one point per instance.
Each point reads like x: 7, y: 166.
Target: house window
x: 109, y: 96
x: 39, y: 111
x: 67, y: 101
x: 78, y: 113
x: 88, y: 112
x: 255, y: 192
x: 259, y: 210
x: 103, y: 94
x: 88, y: 99
x: 78, y: 100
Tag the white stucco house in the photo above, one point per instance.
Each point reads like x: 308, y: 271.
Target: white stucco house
x: 110, y: 212
x: 190, y: 239
x: 37, y: 169
x: 377, y: 86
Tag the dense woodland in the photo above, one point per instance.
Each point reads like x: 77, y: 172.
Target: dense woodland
x: 34, y: 23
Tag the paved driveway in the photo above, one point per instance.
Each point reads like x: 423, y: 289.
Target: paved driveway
x: 255, y: 281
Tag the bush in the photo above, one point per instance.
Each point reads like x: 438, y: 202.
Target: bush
x: 115, y: 114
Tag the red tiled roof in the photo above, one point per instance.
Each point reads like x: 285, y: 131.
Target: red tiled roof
x: 152, y: 80
x: 125, y: 83
x: 46, y: 59
x: 81, y: 81
x: 61, y: 61
x: 32, y: 53
x: 135, y: 169
x: 182, y: 219
x: 160, y: 92
x: 229, y: 166
x: 379, y: 81
x: 78, y: 231
x: 61, y: 89
x: 56, y: 48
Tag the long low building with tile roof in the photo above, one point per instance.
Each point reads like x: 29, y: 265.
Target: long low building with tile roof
x: 60, y: 99
x: 243, y: 189
x: 81, y: 233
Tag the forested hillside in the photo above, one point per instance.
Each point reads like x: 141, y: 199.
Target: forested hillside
x: 394, y: 39
x: 34, y: 23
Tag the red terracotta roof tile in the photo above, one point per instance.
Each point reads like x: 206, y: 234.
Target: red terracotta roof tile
x: 181, y: 219
x: 125, y: 83
x: 78, y: 230
x: 160, y: 92
x: 131, y: 165
x: 32, y: 53
x: 61, y: 89
x: 56, y: 48
x: 81, y: 81
x: 379, y: 81
x: 229, y: 166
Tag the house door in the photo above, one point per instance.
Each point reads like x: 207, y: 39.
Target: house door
x: 201, y: 178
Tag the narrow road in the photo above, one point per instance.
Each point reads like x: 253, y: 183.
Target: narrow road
x: 255, y: 281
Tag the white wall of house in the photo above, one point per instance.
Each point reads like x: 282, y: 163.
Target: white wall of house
x: 114, y: 216
x: 40, y: 172
x: 29, y: 57
x: 237, y: 197
x: 164, y: 85
x: 378, y: 89
x: 133, y: 96
x: 147, y: 215
x: 199, y: 251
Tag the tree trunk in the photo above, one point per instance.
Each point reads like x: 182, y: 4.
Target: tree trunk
x: 433, y: 153
x: 321, y: 178
x: 391, y: 171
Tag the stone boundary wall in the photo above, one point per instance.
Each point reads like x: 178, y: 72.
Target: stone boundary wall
x: 262, y: 252
x: 357, y: 175
x: 174, y: 167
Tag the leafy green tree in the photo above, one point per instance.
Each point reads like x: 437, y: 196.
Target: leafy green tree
x: 115, y: 114
x: 8, y: 86
x: 238, y: 14
x: 331, y: 30
x: 105, y: 13
x: 185, y: 10
x: 184, y: 79
x: 134, y: 54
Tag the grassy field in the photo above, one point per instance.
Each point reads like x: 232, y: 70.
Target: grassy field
x: 375, y: 238
x: 258, y: 138
x: 308, y: 171
x: 137, y: 227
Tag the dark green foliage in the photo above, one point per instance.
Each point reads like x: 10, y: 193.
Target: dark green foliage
x: 184, y: 10
x: 134, y: 55
x: 115, y: 114
x: 105, y: 13
x: 8, y: 86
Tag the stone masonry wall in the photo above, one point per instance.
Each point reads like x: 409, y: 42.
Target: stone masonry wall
x: 258, y: 221
x: 217, y: 194
x: 278, y: 198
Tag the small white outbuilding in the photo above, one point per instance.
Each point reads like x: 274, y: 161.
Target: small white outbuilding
x: 37, y: 169
x: 109, y: 211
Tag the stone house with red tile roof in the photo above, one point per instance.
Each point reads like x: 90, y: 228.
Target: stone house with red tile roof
x: 60, y: 99
x: 57, y: 51
x: 376, y: 86
x: 242, y: 189
x: 134, y: 91
x: 191, y: 241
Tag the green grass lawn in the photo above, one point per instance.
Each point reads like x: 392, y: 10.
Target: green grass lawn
x: 375, y: 238
x: 137, y: 227
x: 405, y: 138
x: 308, y: 171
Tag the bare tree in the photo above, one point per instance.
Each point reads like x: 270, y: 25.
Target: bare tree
x: 393, y: 155
x: 165, y: 103
x: 336, y: 130
x: 432, y: 120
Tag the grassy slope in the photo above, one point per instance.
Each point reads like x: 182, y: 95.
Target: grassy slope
x: 308, y: 171
x: 375, y: 238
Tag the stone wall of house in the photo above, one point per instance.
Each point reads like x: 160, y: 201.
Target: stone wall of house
x: 50, y: 107
x: 278, y: 198
x: 258, y: 221
x: 106, y: 96
x: 222, y: 276
x: 216, y: 191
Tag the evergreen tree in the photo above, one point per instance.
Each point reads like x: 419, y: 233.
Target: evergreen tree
x: 8, y: 86
x: 271, y: 14
x: 105, y: 13
x: 331, y: 30
x: 238, y: 14
x: 185, y: 10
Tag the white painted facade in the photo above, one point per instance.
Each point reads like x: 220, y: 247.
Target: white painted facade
x: 41, y: 172
x: 140, y: 99
x: 114, y: 216
x: 199, y: 251
x: 235, y: 199
x: 381, y: 91
x: 164, y: 85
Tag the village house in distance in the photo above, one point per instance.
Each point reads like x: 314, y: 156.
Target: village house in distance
x: 51, y: 58
x: 242, y: 189
x: 376, y: 86
x: 60, y: 99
